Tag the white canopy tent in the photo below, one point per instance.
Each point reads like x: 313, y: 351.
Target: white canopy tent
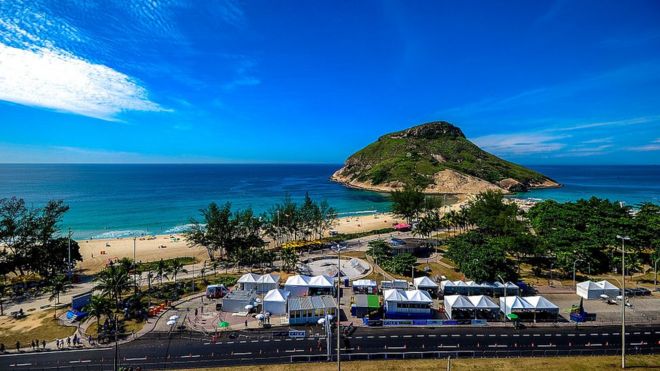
x: 609, y: 289
x: 512, y: 304
x: 248, y: 282
x: 457, y: 302
x: 365, y: 287
x: 425, y: 283
x: 588, y: 290
x: 267, y: 282
x: 483, y: 302
x: 275, y: 301
x: 297, y: 285
x: 321, y: 281
x: 407, y: 304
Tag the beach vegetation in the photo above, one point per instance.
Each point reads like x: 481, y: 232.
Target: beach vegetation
x: 289, y: 259
x: 378, y: 250
x: 401, y: 264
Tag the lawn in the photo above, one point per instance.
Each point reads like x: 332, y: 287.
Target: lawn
x: 645, y: 362
x: 37, y: 326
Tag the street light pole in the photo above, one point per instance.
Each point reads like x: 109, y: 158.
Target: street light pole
x: 338, y: 306
x: 623, y: 293
x: 655, y: 269
x: 574, y: 263
x: 69, y: 265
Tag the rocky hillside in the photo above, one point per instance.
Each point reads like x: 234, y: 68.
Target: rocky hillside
x: 437, y: 157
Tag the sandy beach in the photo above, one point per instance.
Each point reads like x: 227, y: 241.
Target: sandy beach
x: 97, y: 253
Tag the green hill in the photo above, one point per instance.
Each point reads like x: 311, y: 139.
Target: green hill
x: 437, y: 157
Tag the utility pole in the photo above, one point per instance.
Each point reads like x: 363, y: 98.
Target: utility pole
x: 338, y: 307
x: 135, y: 266
x: 623, y: 296
x: 69, y: 265
x: 116, y: 361
x: 574, y: 263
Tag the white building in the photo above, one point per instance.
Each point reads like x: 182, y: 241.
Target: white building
x: 407, y: 304
x: 275, y: 301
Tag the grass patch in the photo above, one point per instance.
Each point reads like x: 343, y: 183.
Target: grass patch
x: 485, y: 364
x: 41, y: 326
x: 153, y: 265
x: 441, y: 270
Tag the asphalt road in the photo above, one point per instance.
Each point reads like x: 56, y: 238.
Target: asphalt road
x: 162, y: 351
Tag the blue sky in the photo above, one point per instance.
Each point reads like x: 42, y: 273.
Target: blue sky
x: 543, y: 82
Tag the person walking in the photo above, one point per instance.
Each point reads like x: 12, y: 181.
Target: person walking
x: 18, y: 346
x: 43, y: 344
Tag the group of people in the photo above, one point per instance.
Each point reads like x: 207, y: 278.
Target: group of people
x: 35, y: 344
x: 75, y: 340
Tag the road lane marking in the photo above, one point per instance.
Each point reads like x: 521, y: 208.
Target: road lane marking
x: 447, y: 346
x: 498, y: 346
x: 254, y: 341
x: 536, y: 334
x: 546, y: 346
x: 504, y: 335
x: 243, y: 354
x: 455, y: 335
x: 606, y: 334
x: 593, y: 334
x: 396, y: 348
x: 469, y: 335
x: 480, y: 335
x: 516, y: 335
x: 432, y: 335
x: 394, y: 336
x: 207, y: 343
x: 582, y: 335
x: 571, y: 335
x: 636, y: 333
x: 616, y: 334
x: 382, y: 337
x: 136, y: 359
x: 547, y: 335
x: 594, y: 345
x: 242, y: 341
x: 420, y: 336
x: 358, y: 337
x: 407, y: 336
x: 191, y: 356
x: 491, y: 335
x: 638, y: 344
x: 21, y: 364
x: 526, y: 335
x: 558, y: 334
x: 444, y: 335
x: 370, y: 337
x: 647, y: 332
x: 230, y: 342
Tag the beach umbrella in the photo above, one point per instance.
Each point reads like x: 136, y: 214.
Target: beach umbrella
x: 249, y: 307
x: 171, y: 322
x: 512, y: 316
x: 223, y: 324
x: 174, y: 317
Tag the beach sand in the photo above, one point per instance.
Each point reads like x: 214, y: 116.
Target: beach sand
x: 97, y: 253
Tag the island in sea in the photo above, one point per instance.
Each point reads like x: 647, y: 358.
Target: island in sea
x: 437, y: 158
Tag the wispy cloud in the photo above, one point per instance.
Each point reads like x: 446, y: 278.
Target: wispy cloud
x: 243, y: 74
x: 55, y: 79
x: 653, y: 146
x: 612, y: 123
x: 520, y: 143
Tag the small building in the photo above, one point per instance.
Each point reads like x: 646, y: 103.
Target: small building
x: 394, y: 284
x: 363, y: 305
x: 358, y: 266
x: 297, y: 285
x: 237, y: 300
x: 506, y: 289
x: 594, y: 290
x: 609, y: 289
x: 407, y: 304
x: 268, y: 282
x: 426, y: 284
x: 275, y: 301
x: 248, y: 282
x: 365, y: 287
x: 321, y: 285
x: 309, y: 309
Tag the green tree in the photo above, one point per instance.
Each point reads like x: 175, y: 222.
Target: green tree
x: 379, y: 250
x: 215, y: 232
x: 113, y: 281
x: 58, y: 285
x: 408, y: 202
x: 289, y: 259
x: 176, y: 268
x: 480, y: 257
x: 400, y: 264
x: 162, y: 271
x: 3, y: 293
x: 97, y: 307
x: 492, y: 215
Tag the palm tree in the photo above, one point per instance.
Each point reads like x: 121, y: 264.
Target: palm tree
x: 176, y: 267
x: 162, y: 269
x: 59, y: 285
x: 113, y: 281
x: 97, y: 307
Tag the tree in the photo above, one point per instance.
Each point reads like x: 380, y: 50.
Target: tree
x: 480, y: 257
x: 114, y: 281
x: 400, y: 264
x: 162, y: 270
x: 378, y: 250
x: 97, y: 307
x: 407, y: 203
x: 176, y: 268
x: 493, y: 216
x: 289, y: 259
x: 3, y: 292
x: 59, y: 285
x: 215, y: 232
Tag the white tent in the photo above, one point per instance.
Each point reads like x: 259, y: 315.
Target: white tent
x: 321, y: 281
x: 425, y: 283
x: 297, y: 285
x: 482, y: 302
x: 588, y: 290
x: 365, y: 287
x: 268, y: 282
x: 275, y: 301
x: 456, y: 302
x: 609, y: 289
x: 406, y: 304
x: 541, y: 304
x: 509, y: 304
x: 418, y: 296
x: 248, y: 282
x: 365, y: 283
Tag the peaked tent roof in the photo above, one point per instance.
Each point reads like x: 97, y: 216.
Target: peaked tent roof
x: 365, y: 283
x: 458, y: 301
x: 516, y: 302
x: 424, y: 282
x: 320, y: 281
x: 589, y: 285
x: 297, y: 280
x: 269, y: 278
x: 248, y: 278
x: 394, y: 295
x: 606, y: 285
x: 418, y: 296
x: 539, y: 302
x: 276, y: 295
x: 482, y: 302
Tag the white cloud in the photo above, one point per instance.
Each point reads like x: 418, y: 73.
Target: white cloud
x: 520, y: 143
x: 55, y: 79
x: 653, y: 146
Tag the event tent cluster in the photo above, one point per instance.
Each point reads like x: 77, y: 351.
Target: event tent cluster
x: 258, y: 283
x: 484, y: 288
x: 535, y: 307
x: 595, y: 290
x: 426, y: 284
x: 407, y: 304
x: 470, y: 307
x: 301, y: 285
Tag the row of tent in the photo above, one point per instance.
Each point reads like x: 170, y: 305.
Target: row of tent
x: 300, y: 285
x: 484, y: 288
x: 473, y: 304
x: 258, y: 283
x: 595, y: 290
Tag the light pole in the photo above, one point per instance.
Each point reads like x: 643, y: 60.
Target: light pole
x: 623, y: 296
x: 338, y: 306
x: 69, y: 265
x: 135, y: 266
x: 325, y: 321
x: 574, y: 263
x: 655, y: 269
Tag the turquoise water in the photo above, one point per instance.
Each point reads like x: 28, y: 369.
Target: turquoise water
x: 122, y: 200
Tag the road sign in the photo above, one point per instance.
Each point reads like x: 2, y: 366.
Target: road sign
x: 297, y: 334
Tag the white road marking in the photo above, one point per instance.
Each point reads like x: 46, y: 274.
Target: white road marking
x: 137, y: 359
x: 498, y: 346
x: 638, y: 344
x: 480, y: 335
x: 616, y: 334
x: 571, y: 335
x: 370, y: 337
x: 444, y: 335
x: 420, y: 336
x: 447, y: 346
x: 191, y: 356
x: 536, y: 334
x: 396, y: 348
x: 230, y: 342
x: 547, y: 346
x: 582, y: 335
x: 382, y: 337
x: 526, y: 335
x: 358, y: 337
x: 254, y: 341
x: 407, y: 336
x: 469, y: 335
x: 491, y: 335
x: 516, y: 335
x: 594, y: 345
x: 243, y: 354
x: 558, y: 335
x: 394, y: 336
x: 606, y: 334
x: 266, y: 341
x: 242, y: 341
x: 277, y: 340
x: 647, y: 332
x: 636, y: 333
x: 593, y: 334
x: 548, y: 335
x: 22, y: 364
x: 207, y: 343
x: 504, y: 335
x: 432, y: 335
x: 455, y: 335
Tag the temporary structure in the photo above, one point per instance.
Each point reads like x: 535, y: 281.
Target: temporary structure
x: 609, y: 289
x: 310, y: 309
x: 321, y: 285
x: 407, y: 304
x: 484, y: 307
x: 248, y: 282
x: 514, y: 304
x: 426, y: 284
x: 268, y: 282
x: 588, y: 290
x: 364, y: 304
x: 365, y: 287
x: 534, y: 305
x: 237, y: 300
x: 297, y: 285
x: 275, y: 301
x: 458, y: 303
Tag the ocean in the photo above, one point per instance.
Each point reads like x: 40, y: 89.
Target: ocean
x: 111, y: 201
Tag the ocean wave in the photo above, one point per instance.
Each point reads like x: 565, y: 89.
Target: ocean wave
x: 178, y: 229
x: 120, y: 234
